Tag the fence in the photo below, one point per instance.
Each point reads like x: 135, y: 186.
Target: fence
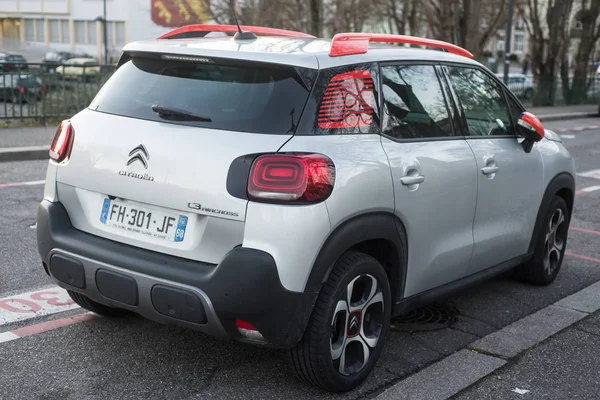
x: 552, y: 92
x: 39, y: 91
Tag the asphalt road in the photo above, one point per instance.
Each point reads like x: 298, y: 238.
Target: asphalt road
x: 133, y: 358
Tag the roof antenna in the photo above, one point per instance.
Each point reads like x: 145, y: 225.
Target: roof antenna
x: 240, y: 35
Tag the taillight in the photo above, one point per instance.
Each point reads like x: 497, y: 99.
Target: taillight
x: 291, y: 178
x: 20, y: 89
x: 63, y: 142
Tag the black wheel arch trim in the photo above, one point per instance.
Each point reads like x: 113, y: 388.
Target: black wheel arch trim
x: 564, y: 180
x: 364, y: 227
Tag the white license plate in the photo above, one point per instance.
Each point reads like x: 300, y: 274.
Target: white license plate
x: 143, y: 220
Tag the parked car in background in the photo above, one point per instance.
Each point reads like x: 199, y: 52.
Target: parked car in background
x: 20, y: 88
x: 79, y: 68
x: 520, y: 84
x: 54, y: 59
x: 12, y: 62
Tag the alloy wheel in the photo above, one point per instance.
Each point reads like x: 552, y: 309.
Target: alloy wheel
x: 555, y: 241
x: 356, y: 325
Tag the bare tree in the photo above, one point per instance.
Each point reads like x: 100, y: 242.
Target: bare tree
x: 588, y: 33
x: 547, y: 24
x: 468, y: 23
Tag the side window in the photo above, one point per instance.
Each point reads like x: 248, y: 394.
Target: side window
x: 515, y: 110
x: 414, y: 105
x: 483, y: 102
x: 344, y: 101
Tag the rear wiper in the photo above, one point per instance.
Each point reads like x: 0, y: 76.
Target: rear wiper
x: 179, y: 114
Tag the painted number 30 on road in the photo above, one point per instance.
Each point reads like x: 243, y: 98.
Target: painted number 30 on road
x: 34, y: 304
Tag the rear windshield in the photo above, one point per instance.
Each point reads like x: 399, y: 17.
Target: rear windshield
x: 30, y: 81
x: 248, y: 97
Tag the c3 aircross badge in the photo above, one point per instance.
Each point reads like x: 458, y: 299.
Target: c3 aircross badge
x: 141, y: 155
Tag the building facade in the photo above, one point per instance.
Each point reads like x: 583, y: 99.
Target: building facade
x: 33, y: 27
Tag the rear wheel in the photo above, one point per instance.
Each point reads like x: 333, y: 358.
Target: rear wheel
x: 550, y: 246
x: 347, y: 330
x: 97, y: 308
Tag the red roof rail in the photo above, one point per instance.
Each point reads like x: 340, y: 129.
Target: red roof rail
x: 344, y: 44
x: 189, y: 30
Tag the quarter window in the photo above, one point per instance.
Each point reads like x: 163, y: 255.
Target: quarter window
x: 414, y: 103
x: 483, y: 102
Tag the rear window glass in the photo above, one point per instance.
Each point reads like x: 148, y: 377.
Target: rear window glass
x: 30, y: 81
x: 248, y: 97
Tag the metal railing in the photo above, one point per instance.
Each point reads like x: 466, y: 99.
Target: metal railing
x: 552, y: 92
x: 42, y: 91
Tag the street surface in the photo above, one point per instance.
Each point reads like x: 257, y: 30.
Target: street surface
x: 47, y: 354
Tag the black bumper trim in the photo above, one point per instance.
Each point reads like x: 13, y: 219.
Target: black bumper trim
x: 245, y: 285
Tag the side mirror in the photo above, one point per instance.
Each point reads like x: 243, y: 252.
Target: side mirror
x: 530, y: 127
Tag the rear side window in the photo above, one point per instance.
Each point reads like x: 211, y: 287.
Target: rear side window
x: 414, y: 103
x: 234, y: 95
x: 344, y: 101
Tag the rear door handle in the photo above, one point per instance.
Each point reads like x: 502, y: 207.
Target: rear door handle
x: 492, y: 169
x: 412, y: 180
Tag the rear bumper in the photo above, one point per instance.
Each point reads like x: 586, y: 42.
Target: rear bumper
x: 244, y: 286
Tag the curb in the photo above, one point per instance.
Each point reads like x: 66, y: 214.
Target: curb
x: 567, y: 116
x: 455, y: 373
x: 24, y: 153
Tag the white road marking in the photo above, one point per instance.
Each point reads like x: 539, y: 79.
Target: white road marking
x: 17, y: 184
x: 7, y: 337
x: 594, y: 174
x: 589, y: 189
x: 567, y: 136
x: 24, y: 306
x: 520, y: 391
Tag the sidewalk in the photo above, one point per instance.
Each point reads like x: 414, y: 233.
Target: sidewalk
x: 551, y: 354
x: 546, y: 114
x: 564, y: 367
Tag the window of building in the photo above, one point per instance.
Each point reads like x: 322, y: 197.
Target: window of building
x: 53, y: 30
x: 65, y: 31
x: 519, y: 43
x: 29, y: 30
x: 80, y: 32
x: 120, y: 33
x: 40, y: 32
x: 110, y: 34
x: 91, y: 30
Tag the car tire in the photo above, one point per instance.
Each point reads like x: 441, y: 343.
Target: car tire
x: 100, y: 309
x: 339, y: 334
x: 550, y: 246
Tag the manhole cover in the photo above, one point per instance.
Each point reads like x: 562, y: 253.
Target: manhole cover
x: 427, y: 318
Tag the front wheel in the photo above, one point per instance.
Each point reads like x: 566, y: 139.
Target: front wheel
x: 550, y: 246
x: 347, y: 330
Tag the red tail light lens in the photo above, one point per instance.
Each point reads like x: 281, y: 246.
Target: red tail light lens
x: 291, y: 178
x: 20, y: 89
x: 63, y: 142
